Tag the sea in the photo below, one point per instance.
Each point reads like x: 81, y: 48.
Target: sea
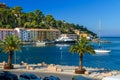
x: 59, y: 54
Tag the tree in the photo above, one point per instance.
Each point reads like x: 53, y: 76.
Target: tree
x: 39, y: 16
x: 17, y: 10
x: 27, y: 25
x: 9, y: 45
x: 81, y: 47
x: 50, y: 21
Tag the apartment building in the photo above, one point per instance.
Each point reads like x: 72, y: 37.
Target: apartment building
x: 5, y: 32
x: 44, y: 34
x: 24, y: 34
x: 72, y: 36
x: 28, y: 35
x: 80, y: 33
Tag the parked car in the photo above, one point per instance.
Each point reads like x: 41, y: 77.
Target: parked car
x: 6, y: 75
x: 51, y: 78
x: 81, y: 78
x: 28, y: 76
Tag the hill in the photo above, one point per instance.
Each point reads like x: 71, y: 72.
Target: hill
x: 14, y: 17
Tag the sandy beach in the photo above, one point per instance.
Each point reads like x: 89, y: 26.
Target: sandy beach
x: 63, y: 72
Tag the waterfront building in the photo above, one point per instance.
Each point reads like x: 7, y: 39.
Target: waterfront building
x: 24, y: 34
x: 71, y: 36
x: 28, y: 35
x: 44, y: 34
x: 4, y: 32
x: 80, y: 33
x: 85, y: 35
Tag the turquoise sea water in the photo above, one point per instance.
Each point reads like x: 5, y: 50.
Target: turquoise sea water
x: 58, y: 54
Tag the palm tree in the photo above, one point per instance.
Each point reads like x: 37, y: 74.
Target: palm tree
x: 9, y: 45
x: 81, y: 47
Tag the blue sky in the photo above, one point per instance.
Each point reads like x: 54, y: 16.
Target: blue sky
x: 83, y: 12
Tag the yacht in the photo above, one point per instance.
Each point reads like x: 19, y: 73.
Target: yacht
x: 64, y: 40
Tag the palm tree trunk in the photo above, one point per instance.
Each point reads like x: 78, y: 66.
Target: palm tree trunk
x: 10, y: 58
x: 81, y: 58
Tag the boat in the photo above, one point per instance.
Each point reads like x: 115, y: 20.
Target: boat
x: 100, y: 49
x: 64, y: 40
x: 61, y: 45
x: 40, y: 43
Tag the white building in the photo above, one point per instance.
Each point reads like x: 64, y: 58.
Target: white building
x: 6, y: 32
x: 24, y: 34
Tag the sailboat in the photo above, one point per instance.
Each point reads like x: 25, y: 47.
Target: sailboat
x: 100, y: 49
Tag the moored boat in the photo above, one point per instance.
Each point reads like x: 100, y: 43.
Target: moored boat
x: 40, y: 43
x: 64, y: 40
x: 102, y: 51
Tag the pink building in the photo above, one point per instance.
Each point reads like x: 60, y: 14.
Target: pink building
x: 5, y: 32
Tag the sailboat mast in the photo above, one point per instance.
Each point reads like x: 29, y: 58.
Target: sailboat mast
x: 99, y: 33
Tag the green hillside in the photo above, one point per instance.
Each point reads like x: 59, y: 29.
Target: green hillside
x: 15, y: 17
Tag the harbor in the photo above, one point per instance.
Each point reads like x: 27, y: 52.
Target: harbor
x: 53, y: 53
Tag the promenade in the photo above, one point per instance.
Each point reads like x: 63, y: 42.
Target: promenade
x: 67, y: 72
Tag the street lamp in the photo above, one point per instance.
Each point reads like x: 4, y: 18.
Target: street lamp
x: 15, y: 56
x: 61, y: 55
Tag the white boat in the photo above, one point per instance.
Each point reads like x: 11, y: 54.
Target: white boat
x: 59, y: 45
x: 40, y: 43
x: 64, y: 40
x: 100, y: 49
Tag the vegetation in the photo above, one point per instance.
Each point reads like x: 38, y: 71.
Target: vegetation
x: 81, y: 47
x: 9, y: 45
x: 14, y: 17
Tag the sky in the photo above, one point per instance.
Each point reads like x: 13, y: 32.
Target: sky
x: 83, y: 12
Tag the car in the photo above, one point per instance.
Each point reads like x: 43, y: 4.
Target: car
x: 51, y: 78
x: 6, y: 75
x: 81, y: 78
x: 28, y: 76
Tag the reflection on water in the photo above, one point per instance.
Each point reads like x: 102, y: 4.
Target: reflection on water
x: 101, y: 54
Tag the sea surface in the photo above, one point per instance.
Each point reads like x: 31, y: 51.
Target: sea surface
x: 58, y: 54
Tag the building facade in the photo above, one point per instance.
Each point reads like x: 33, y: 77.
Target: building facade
x: 44, y: 34
x: 24, y: 34
x: 72, y: 36
x: 6, y: 32
x: 80, y: 33
x: 28, y: 35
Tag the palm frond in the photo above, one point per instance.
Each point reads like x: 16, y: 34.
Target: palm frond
x: 10, y: 43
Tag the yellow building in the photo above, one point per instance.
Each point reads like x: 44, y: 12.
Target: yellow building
x: 79, y: 33
x: 84, y: 35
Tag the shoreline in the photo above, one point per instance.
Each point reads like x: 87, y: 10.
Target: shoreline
x: 93, y: 73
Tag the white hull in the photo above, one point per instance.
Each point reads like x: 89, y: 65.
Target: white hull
x: 65, y: 39
x: 102, y: 51
x: 40, y: 43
